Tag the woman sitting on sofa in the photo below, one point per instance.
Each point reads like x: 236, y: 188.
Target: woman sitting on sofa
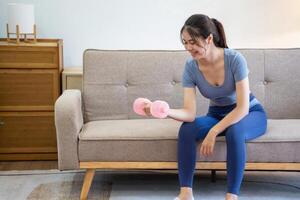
x: 220, y: 74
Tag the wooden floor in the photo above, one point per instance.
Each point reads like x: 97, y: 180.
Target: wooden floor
x: 27, y: 165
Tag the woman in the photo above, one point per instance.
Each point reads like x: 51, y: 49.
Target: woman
x: 220, y: 74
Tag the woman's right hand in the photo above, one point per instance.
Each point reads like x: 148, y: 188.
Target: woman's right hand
x: 147, y: 109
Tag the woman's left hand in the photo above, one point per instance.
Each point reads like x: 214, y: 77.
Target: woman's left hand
x: 207, y: 146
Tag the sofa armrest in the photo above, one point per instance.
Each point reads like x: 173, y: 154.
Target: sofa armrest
x: 68, y: 123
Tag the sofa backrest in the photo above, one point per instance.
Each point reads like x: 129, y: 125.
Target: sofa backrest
x: 113, y: 79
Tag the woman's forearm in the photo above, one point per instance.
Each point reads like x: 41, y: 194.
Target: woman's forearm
x: 185, y: 116
x: 231, y: 118
x: 181, y: 115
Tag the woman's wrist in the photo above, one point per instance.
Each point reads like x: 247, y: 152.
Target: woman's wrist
x: 214, y: 131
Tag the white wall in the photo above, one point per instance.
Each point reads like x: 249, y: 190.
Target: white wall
x: 155, y: 24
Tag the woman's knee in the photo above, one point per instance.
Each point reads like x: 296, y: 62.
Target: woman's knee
x: 186, y: 131
x: 235, y: 132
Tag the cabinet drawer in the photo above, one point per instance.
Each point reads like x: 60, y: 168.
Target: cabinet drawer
x: 27, y: 132
x: 28, y: 57
x: 28, y: 90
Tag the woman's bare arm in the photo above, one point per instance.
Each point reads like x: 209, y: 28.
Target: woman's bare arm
x: 188, y: 112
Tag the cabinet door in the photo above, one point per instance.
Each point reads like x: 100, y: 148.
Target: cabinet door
x: 27, y: 136
x: 28, y: 89
x: 29, y: 57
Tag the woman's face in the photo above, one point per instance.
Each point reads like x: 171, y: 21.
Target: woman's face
x: 197, y: 48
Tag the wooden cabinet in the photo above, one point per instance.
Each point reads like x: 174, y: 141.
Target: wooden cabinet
x: 30, y: 83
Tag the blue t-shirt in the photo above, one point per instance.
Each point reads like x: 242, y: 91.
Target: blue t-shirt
x: 236, y: 69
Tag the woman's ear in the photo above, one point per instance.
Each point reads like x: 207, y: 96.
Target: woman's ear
x: 210, y: 39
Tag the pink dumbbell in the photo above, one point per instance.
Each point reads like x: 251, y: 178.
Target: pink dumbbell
x: 159, y: 109
x: 139, y: 105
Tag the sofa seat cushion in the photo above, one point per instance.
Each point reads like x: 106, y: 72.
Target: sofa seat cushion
x: 133, y: 129
x: 156, y: 140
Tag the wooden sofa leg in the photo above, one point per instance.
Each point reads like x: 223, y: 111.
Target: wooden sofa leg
x: 213, y: 176
x: 88, y: 178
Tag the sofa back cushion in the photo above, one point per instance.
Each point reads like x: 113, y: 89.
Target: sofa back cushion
x: 282, y: 75
x: 113, y: 79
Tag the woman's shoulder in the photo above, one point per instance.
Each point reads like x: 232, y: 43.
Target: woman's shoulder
x: 190, y: 63
x: 234, y: 55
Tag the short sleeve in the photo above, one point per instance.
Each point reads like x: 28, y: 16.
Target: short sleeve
x: 187, y: 78
x: 240, y: 68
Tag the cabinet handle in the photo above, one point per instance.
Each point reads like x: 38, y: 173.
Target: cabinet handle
x: 1, y: 123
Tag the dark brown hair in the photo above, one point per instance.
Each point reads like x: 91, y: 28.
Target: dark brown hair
x: 200, y: 25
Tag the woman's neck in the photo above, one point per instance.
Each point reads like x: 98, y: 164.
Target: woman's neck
x: 213, y: 57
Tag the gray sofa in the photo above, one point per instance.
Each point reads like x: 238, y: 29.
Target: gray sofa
x: 97, y: 129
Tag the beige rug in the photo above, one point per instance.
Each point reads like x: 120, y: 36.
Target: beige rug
x: 56, y: 185
x: 70, y: 190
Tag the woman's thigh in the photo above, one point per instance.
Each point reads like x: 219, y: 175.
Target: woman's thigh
x: 251, y: 126
x: 199, y: 128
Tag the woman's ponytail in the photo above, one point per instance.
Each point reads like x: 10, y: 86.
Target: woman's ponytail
x: 222, y: 38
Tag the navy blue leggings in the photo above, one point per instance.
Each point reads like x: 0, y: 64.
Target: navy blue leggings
x: 251, y: 126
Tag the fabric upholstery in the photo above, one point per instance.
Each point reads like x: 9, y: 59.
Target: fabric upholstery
x: 68, y: 123
x: 282, y: 91
x: 156, y: 140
